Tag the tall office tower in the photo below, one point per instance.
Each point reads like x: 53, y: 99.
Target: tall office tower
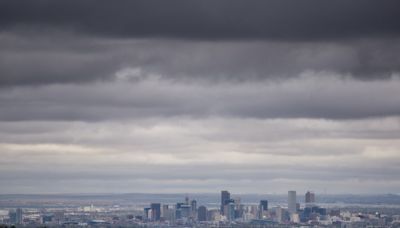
x: 13, y: 216
x: 263, y: 205
x: 240, y: 210
x: 225, y: 199
x: 229, y: 210
x: 262, y: 208
x: 292, y: 201
x: 155, y: 211
x: 279, y: 214
x: 310, y: 197
x: 185, y: 211
x: 178, y: 210
x: 202, y: 213
x: 19, y: 216
x: 164, y: 211
x: 146, y: 212
x: 193, y: 207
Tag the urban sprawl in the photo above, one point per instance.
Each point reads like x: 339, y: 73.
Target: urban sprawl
x: 231, y: 212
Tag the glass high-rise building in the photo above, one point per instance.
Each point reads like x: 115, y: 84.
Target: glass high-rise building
x: 202, y: 213
x: 310, y: 197
x: 19, y: 216
x: 225, y: 199
x: 263, y: 205
x: 292, y: 202
x: 155, y: 211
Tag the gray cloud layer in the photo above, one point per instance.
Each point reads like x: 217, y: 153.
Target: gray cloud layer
x: 252, y: 96
x: 226, y: 19
x: 313, y: 95
x: 183, y: 154
x: 57, y: 57
x: 73, y: 41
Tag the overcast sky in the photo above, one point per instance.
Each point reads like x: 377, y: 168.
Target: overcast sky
x: 199, y: 96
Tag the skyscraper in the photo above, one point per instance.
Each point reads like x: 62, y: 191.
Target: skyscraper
x: 13, y: 216
x: 225, y: 199
x: 185, y: 211
x: 279, y: 214
x: 146, y: 212
x: 165, y: 209
x: 310, y: 197
x: 155, y: 211
x: 19, y: 216
x: 193, y: 207
x: 168, y: 213
x: 263, y: 205
x: 178, y: 210
x: 229, y: 210
x: 202, y: 213
x: 292, y: 201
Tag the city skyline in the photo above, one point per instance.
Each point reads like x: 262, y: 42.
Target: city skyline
x: 198, y: 96
x: 197, y: 211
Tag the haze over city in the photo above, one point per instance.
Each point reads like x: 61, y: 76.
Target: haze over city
x: 199, y: 96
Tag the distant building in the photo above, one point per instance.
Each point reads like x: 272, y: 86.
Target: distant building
x: 263, y: 205
x: 146, y: 212
x: 295, y: 218
x: 59, y: 216
x: 179, y: 205
x: 202, y: 213
x: 229, y: 210
x: 164, y: 210
x: 19, y: 215
x: 47, y: 218
x: 155, y: 211
x: 213, y: 215
x: 292, y: 202
x: 262, y: 208
x: 280, y: 214
x: 185, y: 211
x: 225, y: 199
x: 178, y: 211
x: 310, y: 197
x: 193, y: 207
x: 13, y: 216
x: 168, y: 213
x: 240, y: 210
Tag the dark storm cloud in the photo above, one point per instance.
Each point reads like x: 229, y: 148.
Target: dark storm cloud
x: 32, y: 58
x: 44, y: 42
x: 309, y: 96
x: 209, y: 19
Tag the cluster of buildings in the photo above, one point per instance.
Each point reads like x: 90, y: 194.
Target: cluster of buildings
x: 232, y: 210
x: 15, y: 217
x: 233, y: 213
x: 229, y: 212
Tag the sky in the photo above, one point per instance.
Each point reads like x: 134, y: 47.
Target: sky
x: 185, y: 96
